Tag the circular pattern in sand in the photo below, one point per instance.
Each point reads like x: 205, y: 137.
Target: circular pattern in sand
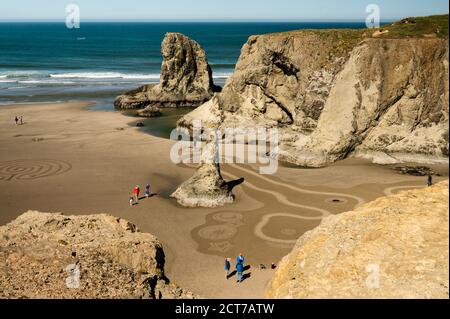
x: 288, y: 232
x: 234, y: 219
x: 32, y: 169
x: 218, y: 232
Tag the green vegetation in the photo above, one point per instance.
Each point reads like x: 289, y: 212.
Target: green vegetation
x: 428, y: 27
x: 416, y: 27
x: 344, y: 39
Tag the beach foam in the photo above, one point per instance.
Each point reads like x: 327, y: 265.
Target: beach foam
x: 105, y: 75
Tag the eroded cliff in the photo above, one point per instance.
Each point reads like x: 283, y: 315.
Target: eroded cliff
x: 394, y: 247
x: 339, y: 93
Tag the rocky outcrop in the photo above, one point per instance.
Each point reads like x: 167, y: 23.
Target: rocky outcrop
x: 185, y: 80
x: 151, y: 111
x: 394, y: 247
x: 206, y: 188
x: 339, y: 93
x: 55, y: 256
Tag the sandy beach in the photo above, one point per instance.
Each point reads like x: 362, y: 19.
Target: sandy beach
x: 67, y: 158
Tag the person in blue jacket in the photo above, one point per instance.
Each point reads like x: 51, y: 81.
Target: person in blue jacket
x: 240, y: 272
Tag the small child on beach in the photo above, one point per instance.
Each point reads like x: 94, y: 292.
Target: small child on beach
x: 147, y: 191
x: 227, y: 267
x: 131, y: 201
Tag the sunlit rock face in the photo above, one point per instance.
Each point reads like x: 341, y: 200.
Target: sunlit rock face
x: 394, y: 247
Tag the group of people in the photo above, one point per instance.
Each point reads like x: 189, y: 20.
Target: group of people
x: 134, y: 198
x: 18, y: 120
x: 240, y: 266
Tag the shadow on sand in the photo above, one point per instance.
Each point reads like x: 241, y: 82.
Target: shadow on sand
x: 232, y: 184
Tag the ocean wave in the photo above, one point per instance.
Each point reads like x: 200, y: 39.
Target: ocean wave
x: 45, y: 82
x: 105, y: 75
x: 23, y: 74
x: 222, y: 75
x: 36, y: 77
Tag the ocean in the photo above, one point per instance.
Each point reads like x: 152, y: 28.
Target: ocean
x: 47, y: 62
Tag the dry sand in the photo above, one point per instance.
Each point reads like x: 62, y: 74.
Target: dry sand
x: 68, y: 159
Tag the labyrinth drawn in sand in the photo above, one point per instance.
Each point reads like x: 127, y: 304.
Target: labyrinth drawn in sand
x: 298, y: 210
x: 31, y: 169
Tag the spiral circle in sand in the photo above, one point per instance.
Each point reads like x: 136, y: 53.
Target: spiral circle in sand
x: 218, y: 232
x: 32, y: 169
x: 228, y: 217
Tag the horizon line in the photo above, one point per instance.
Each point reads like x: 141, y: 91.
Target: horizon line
x: 195, y: 20
x: 207, y: 20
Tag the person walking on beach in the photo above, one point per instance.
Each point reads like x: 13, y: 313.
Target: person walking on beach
x: 430, y: 180
x: 147, y: 191
x: 240, y: 272
x: 136, y: 193
x: 131, y: 201
x: 21, y: 120
x: 16, y: 119
x: 227, y: 267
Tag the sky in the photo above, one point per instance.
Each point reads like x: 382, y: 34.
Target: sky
x: 218, y: 10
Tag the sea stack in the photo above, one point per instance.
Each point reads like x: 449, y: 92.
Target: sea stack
x: 206, y: 188
x: 185, y: 80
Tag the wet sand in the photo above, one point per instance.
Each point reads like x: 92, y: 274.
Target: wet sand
x: 68, y: 159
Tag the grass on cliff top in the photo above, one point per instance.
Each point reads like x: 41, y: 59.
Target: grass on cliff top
x: 419, y: 27
x: 416, y: 27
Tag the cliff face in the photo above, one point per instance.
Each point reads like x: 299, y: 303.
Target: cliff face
x: 100, y: 256
x: 336, y: 93
x: 185, y: 80
x: 394, y: 247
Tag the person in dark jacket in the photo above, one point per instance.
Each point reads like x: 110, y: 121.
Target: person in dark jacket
x: 227, y: 267
x: 147, y: 191
x: 240, y: 272
x: 430, y: 180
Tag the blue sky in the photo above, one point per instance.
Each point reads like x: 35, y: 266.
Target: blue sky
x: 180, y: 10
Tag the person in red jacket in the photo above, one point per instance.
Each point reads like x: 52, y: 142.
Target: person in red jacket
x: 136, y: 192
